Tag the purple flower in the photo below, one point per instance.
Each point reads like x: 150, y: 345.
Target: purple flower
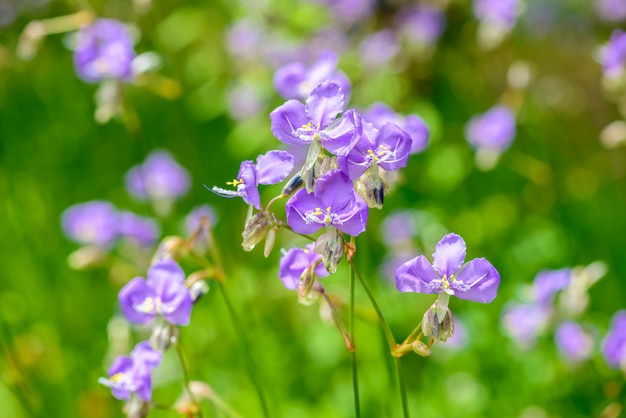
x: 388, y: 148
x: 614, y: 55
x: 333, y: 203
x: 378, y: 49
x: 271, y: 168
x: 421, y: 25
x: 524, y: 322
x: 244, y: 101
x: 104, y: 50
x: 128, y: 375
x: 503, y: 13
x: 379, y: 114
x: 295, y: 123
x: 614, y: 343
x: 91, y: 223
x: 573, y: 342
x: 159, y: 177
x: 611, y: 10
x: 477, y: 280
x: 349, y: 11
x: 493, y: 130
x: 399, y: 228
x: 548, y: 283
x: 296, y: 81
x: 295, y: 261
x: 144, y: 231
x: 163, y: 293
x: 192, y: 221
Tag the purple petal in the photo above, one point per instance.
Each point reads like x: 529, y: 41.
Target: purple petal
x: 334, y: 189
x: 418, y: 131
x: 296, y: 207
x: 343, y: 136
x: 354, y: 218
x: 480, y: 281
x: 324, y: 104
x: 295, y: 261
x: 449, y: 255
x: 614, y: 343
x: 133, y: 294
x: 164, y: 271
x: 398, y: 144
x: 415, y: 276
x: 274, y: 166
x: 144, y: 354
x: 145, y: 386
x: 166, y: 278
x: 250, y: 187
x: 288, y: 79
x: 286, y: 119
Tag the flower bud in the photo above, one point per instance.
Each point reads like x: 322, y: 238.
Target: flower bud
x: 256, y: 229
x: 331, y: 246
x: 439, y: 328
x: 136, y: 408
x: 164, y: 335
x: 269, y: 241
x: 86, y: 257
x: 420, y: 348
x: 198, y: 289
x: 372, y: 188
x: 292, y: 185
x: 170, y: 248
x: 306, y: 282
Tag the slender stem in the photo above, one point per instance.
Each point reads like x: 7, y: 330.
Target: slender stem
x: 347, y: 338
x: 246, y: 350
x: 403, y: 397
x: 287, y: 227
x: 355, y: 377
x: 223, y: 406
x: 186, y: 378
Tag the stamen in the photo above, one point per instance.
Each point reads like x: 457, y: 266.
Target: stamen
x: 235, y: 182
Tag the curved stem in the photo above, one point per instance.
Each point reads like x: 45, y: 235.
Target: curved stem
x: 355, y: 377
x: 347, y: 338
x: 186, y: 378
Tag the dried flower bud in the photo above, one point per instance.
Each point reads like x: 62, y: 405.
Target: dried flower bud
x: 256, y: 229
x: 372, y: 188
x: 86, y: 257
x: 331, y: 246
x: 186, y: 403
x: 136, y: 408
x: 198, y: 289
x: 420, y: 348
x: 170, y: 248
x: 437, y: 325
x: 306, y: 282
x: 269, y: 241
x: 163, y: 336
x: 292, y: 185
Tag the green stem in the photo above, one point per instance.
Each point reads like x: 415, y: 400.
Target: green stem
x: 355, y: 377
x: 403, y: 398
x: 246, y: 350
x: 186, y: 378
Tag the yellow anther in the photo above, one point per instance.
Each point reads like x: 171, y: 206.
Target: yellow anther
x: 328, y: 209
x: 318, y: 211
x: 308, y: 126
x: 116, y: 377
x: 235, y: 182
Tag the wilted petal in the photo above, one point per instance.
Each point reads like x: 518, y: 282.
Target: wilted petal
x: 286, y: 119
x: 132, y: 295
x: 480, y: 281
x: 415, y: 276
x: 324, y: 104
x: 274, y: 166
x: 449, y: 255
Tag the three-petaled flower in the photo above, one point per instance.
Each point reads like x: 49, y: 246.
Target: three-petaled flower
x: 333, y: 203
x: 477, y: 280
x: 295, y: 261
x: 271, y: 168
x: 163, y: 293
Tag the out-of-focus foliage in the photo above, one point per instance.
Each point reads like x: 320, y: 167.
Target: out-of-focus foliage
x: 555, y: 198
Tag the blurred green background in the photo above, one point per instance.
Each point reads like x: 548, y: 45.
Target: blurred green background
x: 556, y: 199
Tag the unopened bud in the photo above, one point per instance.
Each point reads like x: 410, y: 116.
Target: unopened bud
x: 269, y: 241
x: 198, y: 289
x: 306, y: 282
x: 170, y: 248
x: 136, y: 408
x: 163, y: 336
x: 372, y: 188
x: 256, y: 229
x: 420, y: 348
x: 331, y: 246
x: 187, y: 402
x: 437, y: 324
x: 86, y: 257
x: 292, y: 185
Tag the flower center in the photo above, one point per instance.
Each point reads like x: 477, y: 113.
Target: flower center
x: 381, y: 153
x: 150, y: 305
x: 235, y: 182
x: 320, y: 216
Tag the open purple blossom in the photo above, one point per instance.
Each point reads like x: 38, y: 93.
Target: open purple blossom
x: 548, y: 282
x: 387, y: 148
x: 573, y: 342
x: 503, y: 13
x: 144, y: 231
x: 476, y: 280
x: 611, y: 10
x: 525, y: 322
x: 295, y: 123
x: 271, y: 168
x: 296, y: 80
x: 295, y: 261
x: 158, y: 177
x: 333, y: 203
x: 104, y: 51
x: 128, y: 375
x: 614, y: 54
x: 614, y: 343
x: 379, y: 113
x: 163, y: 293
x: 422, y: 24
x: 493, y: 130
x: 91, y: 223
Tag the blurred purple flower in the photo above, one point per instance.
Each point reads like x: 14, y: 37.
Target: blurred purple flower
x: 614, y: 55
x: 192, y: 221
x: 245, y: 101
x: 548, y: 282
x: 573, y: 342
x: 144, y: 231
x: 159, y: 177
x: 333, y: 203
x: 525, y: 322
x: 128, y: 375
x: 611, y: 10
x: 91, y: 223
x: 476, y: 280
x: 614, y: 343
x: 271, y: 168
x: 422, y: 24
x: 295, y: 261
x: 503, y: 13
x: 388, y: 148
x: 296, y: 80
x: 398, y: 228
x: 379, y: 114
x: 295, y: 123
x: 104, y: 51
x: 378, y: 49
x: 492, y: 130
x: 163, y: 293
x: 349, y: 11
x: 244, y: 38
